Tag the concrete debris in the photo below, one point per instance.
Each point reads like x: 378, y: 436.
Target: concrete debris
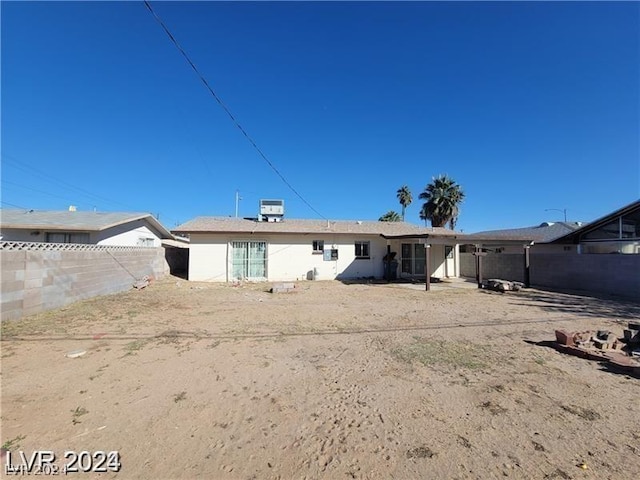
x: 500, y: 285
x: 603, y: 346
x: 284, y: 287
x: 143, y: 282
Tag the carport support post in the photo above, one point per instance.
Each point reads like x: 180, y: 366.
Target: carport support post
x: 479, y: 256
x: 527, y: 263
x: 427, y: 267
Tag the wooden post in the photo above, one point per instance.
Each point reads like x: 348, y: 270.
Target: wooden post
x: 479, y: 254
x: 527, y: 264
x: 388, y: 263
x: 427, y: 267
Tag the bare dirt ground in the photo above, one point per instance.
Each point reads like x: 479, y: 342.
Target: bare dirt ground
x: 192, y: 380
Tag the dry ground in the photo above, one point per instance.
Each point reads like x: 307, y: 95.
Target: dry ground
x: 190, y: 380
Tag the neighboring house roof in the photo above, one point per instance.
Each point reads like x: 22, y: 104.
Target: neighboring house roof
x: 543, y: 233
x: 243, y: 225
x: 75, y: 221
x: 574, y: 236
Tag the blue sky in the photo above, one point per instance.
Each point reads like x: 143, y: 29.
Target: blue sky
x: 528, y: 106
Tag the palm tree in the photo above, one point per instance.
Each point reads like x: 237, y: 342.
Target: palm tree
x: 390, y: 216
x: 423, y: 214
x: 404, y: 197
x: 443, y: 198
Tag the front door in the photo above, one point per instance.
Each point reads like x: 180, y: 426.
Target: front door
x: 449, y: 261
x: 249, y: 260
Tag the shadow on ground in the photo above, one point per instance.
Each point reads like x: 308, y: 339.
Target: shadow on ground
x: 580, y: 305
x: 605, y: 366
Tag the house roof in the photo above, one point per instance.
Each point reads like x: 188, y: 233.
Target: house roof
x: 543, y: 233
x: 574, y: 236
x: 75, y: 221
x: 304, y: 226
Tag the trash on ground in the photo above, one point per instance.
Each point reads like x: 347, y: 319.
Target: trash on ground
x: 76, y: 353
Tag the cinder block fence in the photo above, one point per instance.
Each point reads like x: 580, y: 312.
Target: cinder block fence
x: 593, y: 274
x: 42, y: 276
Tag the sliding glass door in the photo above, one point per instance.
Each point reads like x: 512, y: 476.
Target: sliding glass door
x: 249, y: 260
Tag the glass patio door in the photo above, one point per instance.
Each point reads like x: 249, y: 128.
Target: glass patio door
x: 249, y: 260
x: 407, y: 258
x: 419, y: 259
x: 413, y: 257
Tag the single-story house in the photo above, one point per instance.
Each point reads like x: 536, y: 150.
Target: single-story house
x: 227, y: 249
x: 98, y: 228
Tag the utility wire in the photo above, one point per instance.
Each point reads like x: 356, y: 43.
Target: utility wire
x: 224, y: 107
x: 14, y: 205
x: 15, y: 163
x: 20, y: 165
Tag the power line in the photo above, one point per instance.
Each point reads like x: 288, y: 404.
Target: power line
x: 224, y: 107
x: 15, y: 163
x: 14, y: 205
x: 72, y: 189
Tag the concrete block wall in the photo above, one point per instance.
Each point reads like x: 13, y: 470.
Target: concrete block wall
x: 494, y: 265
x: 607, y: 274
x: 593, y: 274
x: 36, y: 281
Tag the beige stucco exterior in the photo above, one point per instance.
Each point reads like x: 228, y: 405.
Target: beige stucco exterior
x: 290, y: 257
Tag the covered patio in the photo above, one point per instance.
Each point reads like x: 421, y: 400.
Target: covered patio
x: 438, y: 253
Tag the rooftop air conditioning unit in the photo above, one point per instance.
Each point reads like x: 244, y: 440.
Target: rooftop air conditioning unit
x: 271, y: 210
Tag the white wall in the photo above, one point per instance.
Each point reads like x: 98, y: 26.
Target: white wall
x: 289, y: 256
x: 208, y: 258
x: 122, y: 235
x: 126, y: 237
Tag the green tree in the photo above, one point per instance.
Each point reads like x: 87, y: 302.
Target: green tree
x: 404, y: 197
x: 443, y: 198
x: 423, y: 214
x: 390, y: 216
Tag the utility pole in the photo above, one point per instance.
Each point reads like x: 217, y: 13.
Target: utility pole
x: 238, y: 198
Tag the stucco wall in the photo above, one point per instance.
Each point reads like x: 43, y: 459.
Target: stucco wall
x: 36, y: 281
x: 128, y: 234
x: 123, y: 235
x: 289, y: 257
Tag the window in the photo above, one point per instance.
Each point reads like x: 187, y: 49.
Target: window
x: 145, y: 242
x: 67, y: 237
x: 318, y: 246
x: 362, y: 249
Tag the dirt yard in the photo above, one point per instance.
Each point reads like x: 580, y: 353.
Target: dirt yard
x: 192, y: 380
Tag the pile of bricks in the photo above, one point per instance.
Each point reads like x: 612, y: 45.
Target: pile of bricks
x: 604, y: 346
x: 632, y: 338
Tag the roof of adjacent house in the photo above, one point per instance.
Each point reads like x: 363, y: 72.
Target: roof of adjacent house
x: 243, y: 225
x: 575, y: 235
x: 543, y: 233
x: 75, y: 220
